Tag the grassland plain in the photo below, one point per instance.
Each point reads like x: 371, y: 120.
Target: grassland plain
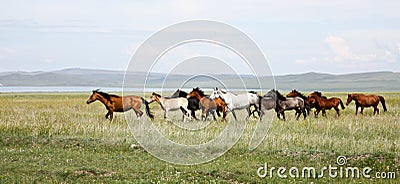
x: 58, y: 138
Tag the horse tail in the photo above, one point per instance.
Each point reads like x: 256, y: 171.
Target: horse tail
x: 341, y: 103
x: 383, y: 102
x: 151, y: 116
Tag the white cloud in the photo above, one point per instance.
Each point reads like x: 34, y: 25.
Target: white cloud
x: 398, y: 47
x: 306, y: 61
x: 7, y: 52
x: 360, y: 54
x: 342, y: 50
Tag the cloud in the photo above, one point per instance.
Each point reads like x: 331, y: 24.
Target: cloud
x: 306, y: 61
x: 345, y: 55
x: 7, y: 52
x: 398, y: 47
x: 342, y: 51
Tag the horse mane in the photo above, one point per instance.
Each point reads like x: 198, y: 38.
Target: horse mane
x: 318, y: 93
x: 198, y: 90
x: 105, y: 95
x: 300, y: 94
x: 178, y: 93
x: 159, y: 96
x: 254, y: 92
x: 280, y: 96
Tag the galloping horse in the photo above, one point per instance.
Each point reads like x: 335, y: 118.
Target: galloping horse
x: 115, y: 103
x: 366, y: 101
x: 236, y: 101
x: 265, y: 103
x: 326, y: 104
x: 289, y: 103
x: 308, y: 101
x: 207, y: 105
x: 193, y: 103
x: 171, y: 104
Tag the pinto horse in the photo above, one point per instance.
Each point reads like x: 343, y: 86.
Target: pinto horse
x: 193, y: 103
x: 366, y: 101
x: 322, y: 104
x: 115, y: 103
x: 207, y: 105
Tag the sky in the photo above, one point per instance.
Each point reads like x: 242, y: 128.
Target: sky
x: 299, y: 36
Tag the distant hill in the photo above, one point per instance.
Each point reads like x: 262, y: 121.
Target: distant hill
x: 373, y: 81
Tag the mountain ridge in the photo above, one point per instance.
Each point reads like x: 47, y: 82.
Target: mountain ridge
x: 365, y: 81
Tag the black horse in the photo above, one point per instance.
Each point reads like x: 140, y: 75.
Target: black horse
x: 193, y: 102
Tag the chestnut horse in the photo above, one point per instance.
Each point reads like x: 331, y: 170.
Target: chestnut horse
x: 207, y: 105
x: 115, y: 103
x: 366, y: 101
x: 323, y: 104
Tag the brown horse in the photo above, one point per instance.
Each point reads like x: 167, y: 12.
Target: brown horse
x: 207, y: 105
x: 115, y: 103
x: 366, y: 101
x: 323, y: 104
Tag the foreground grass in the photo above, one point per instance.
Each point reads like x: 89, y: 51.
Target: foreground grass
x: 58, y: 138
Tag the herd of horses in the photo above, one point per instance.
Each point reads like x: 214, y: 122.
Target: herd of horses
x: 220, y: 101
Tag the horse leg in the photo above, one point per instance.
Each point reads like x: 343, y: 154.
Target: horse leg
x: 213, y: 114
x: 248, y: 113
x: 217, y: 111
x: 316, y: 112
x: 138, y: 112
x: 256, y: 109
x: 260, y: 115
x: 193, y: 114
x: 111, y: 115
x: 234, y: 114
x: 362, y: 109
x: 165, y: 114
x: 108, y: 114
x: 224, y: 115
x: 204, y: 113
x: 356, y: 109
x: 184, y: 113
x: 189, y: 115
x: 376, y: 109
x: 337, y: 111
x: 323, y: 112
x: 298, y: 113
x: 304, y: 113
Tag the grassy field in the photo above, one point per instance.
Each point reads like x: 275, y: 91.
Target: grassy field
x: 58, y: 138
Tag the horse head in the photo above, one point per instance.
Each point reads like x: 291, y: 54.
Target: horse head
x: 93, y: 97
x: 154, y: 97
x: 215, y: 94
x: 349, y: 99
x: 293, y: 93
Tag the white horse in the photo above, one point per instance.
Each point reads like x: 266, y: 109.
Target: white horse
x: 236, y: 101
x: 172, y: 104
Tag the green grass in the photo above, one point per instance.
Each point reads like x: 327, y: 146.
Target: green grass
x: 58, y: 138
